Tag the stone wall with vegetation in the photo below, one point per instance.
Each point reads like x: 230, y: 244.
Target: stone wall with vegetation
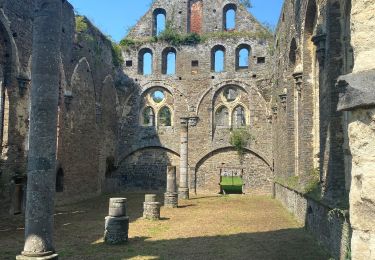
x: 196, y: 91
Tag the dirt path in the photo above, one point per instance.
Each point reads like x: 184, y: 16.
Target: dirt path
x: 205, y: 227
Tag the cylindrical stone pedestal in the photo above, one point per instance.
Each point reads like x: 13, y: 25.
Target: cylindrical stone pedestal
x: 171, y: 196
x: 117, y: 207
x: 171, y: 200
x: 117, y: 223
x: 150, y: 198
x: 151, y: 208
x: 116, y: 230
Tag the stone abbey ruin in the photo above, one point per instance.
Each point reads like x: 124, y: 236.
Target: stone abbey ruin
x: 291, y: 114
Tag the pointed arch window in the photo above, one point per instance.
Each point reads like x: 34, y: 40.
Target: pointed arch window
x: 293, y: 52
x: 239, y: 117
x: 165, y: 117
x: 222, y: 116
x: 148, y: 117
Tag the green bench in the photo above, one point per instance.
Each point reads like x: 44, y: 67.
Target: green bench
x: 231, y: 184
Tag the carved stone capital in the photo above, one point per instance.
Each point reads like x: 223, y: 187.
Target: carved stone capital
x: 283, y: 98
x: 320, y: 43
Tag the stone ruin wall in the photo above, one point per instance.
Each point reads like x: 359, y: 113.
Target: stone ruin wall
x: 87, y: 75
x: 343, y: 134
x: 99, y: 106
x: 195, y: 91
x: 305, y: 100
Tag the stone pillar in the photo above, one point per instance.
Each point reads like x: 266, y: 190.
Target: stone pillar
x: 297, y: 75
x: 183, y: 190
x: 171, y: 196
x: 117, y: 223
x: 151, y: 208
x: 41, y: 170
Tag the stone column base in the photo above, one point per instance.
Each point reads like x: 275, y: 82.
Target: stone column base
x: 171, y: 200
x: 183, y: 193
x: 116, y: 230
x: 48, y: 257
x: 151, y: 210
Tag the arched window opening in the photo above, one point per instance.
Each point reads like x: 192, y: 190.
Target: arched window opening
x: 145, y: 61
x: 218, y: 59
x: 239, y: 117
x: 222, y: 116
x: 293, y: 52
x: 60, y: 180
x: 169, y: 61
x: 160, y: 21
x: 148, y: 117
x: 243, y: 56
x: 165, y: 117
x: 229, y: 15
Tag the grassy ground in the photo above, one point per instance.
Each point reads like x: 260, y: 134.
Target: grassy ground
x: 205, y: 227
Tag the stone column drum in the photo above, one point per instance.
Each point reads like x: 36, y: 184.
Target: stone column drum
x: 151, y: 208
x: 171, y: 196
x: 117, y: 223
x: 183, y: 190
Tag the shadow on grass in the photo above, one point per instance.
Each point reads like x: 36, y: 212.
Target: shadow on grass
x: 186, y: 206
x: 282, y: 244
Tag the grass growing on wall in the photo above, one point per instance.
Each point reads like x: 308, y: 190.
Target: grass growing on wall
x: 171, y: 36
x: 117, y: 58
x: 81, y: 24
x: 88, y: 33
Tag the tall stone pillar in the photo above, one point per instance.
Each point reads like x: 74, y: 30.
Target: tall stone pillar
x: 183, y: 190
x: 43, y: 131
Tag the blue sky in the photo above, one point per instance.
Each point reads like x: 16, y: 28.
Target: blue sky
x: 114, y: 17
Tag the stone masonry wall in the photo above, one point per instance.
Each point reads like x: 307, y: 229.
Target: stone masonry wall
x: 312, y: 50
x: 328, y: 226
x: 196, y: 91
x: 86, y: 69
